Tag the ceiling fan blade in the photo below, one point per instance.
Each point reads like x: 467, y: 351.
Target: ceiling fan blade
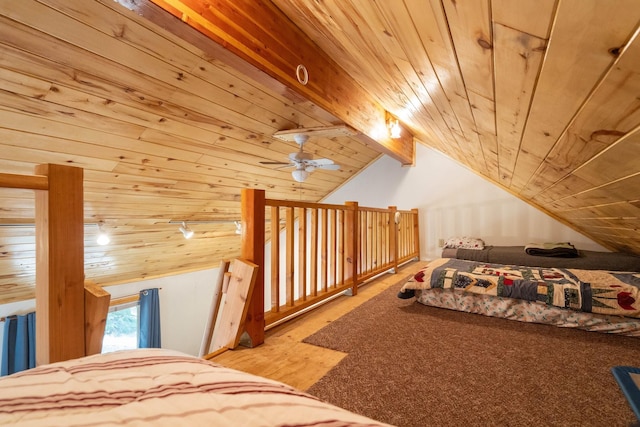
x: 330, y: 167
x: 276, y: 163
x: 318, y: 162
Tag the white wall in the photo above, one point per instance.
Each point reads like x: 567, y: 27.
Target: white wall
x: 454, y: 201
x: 185, y: 302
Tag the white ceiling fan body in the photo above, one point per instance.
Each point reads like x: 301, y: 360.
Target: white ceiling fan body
x: 303, y: 162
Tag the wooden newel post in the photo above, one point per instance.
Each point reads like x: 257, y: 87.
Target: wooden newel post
x: 416, y: 230
x: 352, y: 245
x: 393, y: 238
x: 252, y: 213
x: 60, y: 265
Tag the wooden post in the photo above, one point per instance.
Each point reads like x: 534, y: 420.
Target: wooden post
x: 416, y: 230
x: 60, y: 265
x: 352, y: 245
x: 252, y: 211
x: 393, y: 237
x: 96, y: 310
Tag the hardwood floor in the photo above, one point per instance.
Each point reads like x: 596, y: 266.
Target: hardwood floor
x: 284, y: 357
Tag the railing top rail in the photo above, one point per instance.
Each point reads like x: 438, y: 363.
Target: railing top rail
x: 295, y: 204
x: 368, y: 209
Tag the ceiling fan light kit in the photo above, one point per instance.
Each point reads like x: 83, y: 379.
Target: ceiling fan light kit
x: 300, y: 175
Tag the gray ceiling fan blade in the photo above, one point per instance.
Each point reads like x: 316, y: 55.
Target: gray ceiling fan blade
x: 276, y: 163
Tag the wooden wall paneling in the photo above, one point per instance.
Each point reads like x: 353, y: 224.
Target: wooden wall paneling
x: 616, y: 162
x: 431, y: 26
x: 324, y: 22
x: 470, y: 27
x: 162, y: 106
x: 610, y: 112
x: 409, y: 57
x: 422, y: 77
x: 519, y: 56
x: 280, y: 61
x: 533, y: 17
x: 577, y: 57
x: 484, y: 114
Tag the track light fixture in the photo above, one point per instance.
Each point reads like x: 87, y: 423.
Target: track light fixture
x: 103, y: 237
x: 186, y: 231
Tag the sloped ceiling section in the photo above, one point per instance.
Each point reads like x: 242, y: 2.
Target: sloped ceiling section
x: 541, y: 97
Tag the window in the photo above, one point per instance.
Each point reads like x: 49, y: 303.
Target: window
x: 121, y: 330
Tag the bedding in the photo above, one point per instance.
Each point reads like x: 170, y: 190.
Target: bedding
x: 516, y: 255
x: 158, y: 387
x: 591, y: 291
x: 561, y: 249
x: 472, y: 243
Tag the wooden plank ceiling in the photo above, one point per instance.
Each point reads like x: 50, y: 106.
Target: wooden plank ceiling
x: 541, y: 97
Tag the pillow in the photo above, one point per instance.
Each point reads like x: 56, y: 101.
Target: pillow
x: 465, y: 243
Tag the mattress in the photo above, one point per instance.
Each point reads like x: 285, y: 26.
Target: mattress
x: 586, y: 299
x: 516, y: 255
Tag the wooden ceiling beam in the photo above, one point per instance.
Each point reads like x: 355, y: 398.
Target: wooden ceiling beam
x: 257, y: 39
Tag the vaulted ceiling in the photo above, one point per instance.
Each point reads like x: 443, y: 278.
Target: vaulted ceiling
x: 170, y: 106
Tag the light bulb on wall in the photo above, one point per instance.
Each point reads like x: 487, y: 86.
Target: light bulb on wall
x: 238, y: 227
x: 103, y: 237
x: 394, y: 129
x: 186, y: 231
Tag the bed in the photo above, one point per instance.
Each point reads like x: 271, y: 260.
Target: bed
x: 158, y: 387
x: 517, y: 255
x: 595, y: 300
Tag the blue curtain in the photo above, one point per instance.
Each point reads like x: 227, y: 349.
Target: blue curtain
x: 149, y: 336
x: 19, y: 344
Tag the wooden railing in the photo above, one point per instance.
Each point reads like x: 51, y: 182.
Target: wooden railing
x: 315, y: 251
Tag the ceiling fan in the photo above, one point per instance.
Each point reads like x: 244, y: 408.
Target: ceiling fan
x: 303, y: 162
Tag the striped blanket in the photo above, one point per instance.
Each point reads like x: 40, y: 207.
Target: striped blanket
x: 160, y: 388
x: 594, y: 291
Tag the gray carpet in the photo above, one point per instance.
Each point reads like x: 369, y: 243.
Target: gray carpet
x: 413, y: 365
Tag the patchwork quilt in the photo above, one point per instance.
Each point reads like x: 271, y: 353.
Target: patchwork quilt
x: 594, y: 291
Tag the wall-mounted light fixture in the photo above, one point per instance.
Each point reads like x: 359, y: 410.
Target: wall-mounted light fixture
x: 238, y: 227
x: 103, y: 237
x: 395, y: 131
x: 186, y: 231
